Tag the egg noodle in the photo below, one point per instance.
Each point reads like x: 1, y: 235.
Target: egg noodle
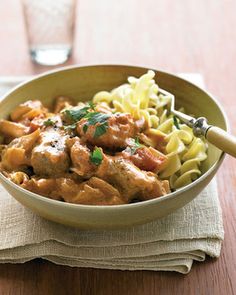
x: 141, y: 98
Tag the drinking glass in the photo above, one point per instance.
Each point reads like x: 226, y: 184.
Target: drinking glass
x: 50, y: 29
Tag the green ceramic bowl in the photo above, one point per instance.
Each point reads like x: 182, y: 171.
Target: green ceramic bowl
x: 82, y: 83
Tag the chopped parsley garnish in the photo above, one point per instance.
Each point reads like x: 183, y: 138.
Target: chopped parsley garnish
x: 49, y: 122
x: 136, y: 141
x: 100, y: 130
x: 91, y: 104
x: 136, y: 146
x: 92, y: 117
x: 70, y: 127
x: 85, y: 128
x: 96, y: 156
x: 97, y: 118
x: 76, y: 115
x: 176, y: 122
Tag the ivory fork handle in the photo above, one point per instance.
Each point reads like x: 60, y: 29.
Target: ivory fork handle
x: 221, y: 139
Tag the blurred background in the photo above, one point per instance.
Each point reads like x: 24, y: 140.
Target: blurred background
x: 174, y: 36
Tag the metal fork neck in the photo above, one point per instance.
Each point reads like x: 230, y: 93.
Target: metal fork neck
x: 200, y: 127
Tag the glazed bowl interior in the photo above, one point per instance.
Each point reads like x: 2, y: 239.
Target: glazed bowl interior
x: 82, y: 83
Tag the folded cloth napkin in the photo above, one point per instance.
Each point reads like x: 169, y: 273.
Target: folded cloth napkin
x: 169, y: 244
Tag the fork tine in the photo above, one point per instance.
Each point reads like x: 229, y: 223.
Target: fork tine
x: 172, y: 97
x: 183, y: 117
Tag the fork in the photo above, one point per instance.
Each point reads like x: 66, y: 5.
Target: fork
x: 213, y: 134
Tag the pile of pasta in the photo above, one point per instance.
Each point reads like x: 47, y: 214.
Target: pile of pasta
x: 141, y: 98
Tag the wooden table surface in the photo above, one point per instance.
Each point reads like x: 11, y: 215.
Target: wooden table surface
x: 175, y: 36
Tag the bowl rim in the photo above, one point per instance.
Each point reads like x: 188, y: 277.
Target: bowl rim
x: 130, y: 206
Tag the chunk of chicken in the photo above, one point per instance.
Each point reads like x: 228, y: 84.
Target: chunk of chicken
x: 145, y: 158
x: 18, y: 177
x: 80, y: 157
x: 130, y: 180
x: 120, y: 127
x: 50, y: 157
x: 95, y: 191
x: 30, y: 108
x: 41, y: 186
x: 17, y: 153
x: 42, y: 121
x: 13, y: 129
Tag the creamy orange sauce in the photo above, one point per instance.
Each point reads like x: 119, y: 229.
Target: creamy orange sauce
x: 83, y: 154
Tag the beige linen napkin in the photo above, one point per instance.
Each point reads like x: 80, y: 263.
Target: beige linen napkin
x: 170, y: 243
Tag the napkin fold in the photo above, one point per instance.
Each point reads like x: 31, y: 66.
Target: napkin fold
x: 171, y: 243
